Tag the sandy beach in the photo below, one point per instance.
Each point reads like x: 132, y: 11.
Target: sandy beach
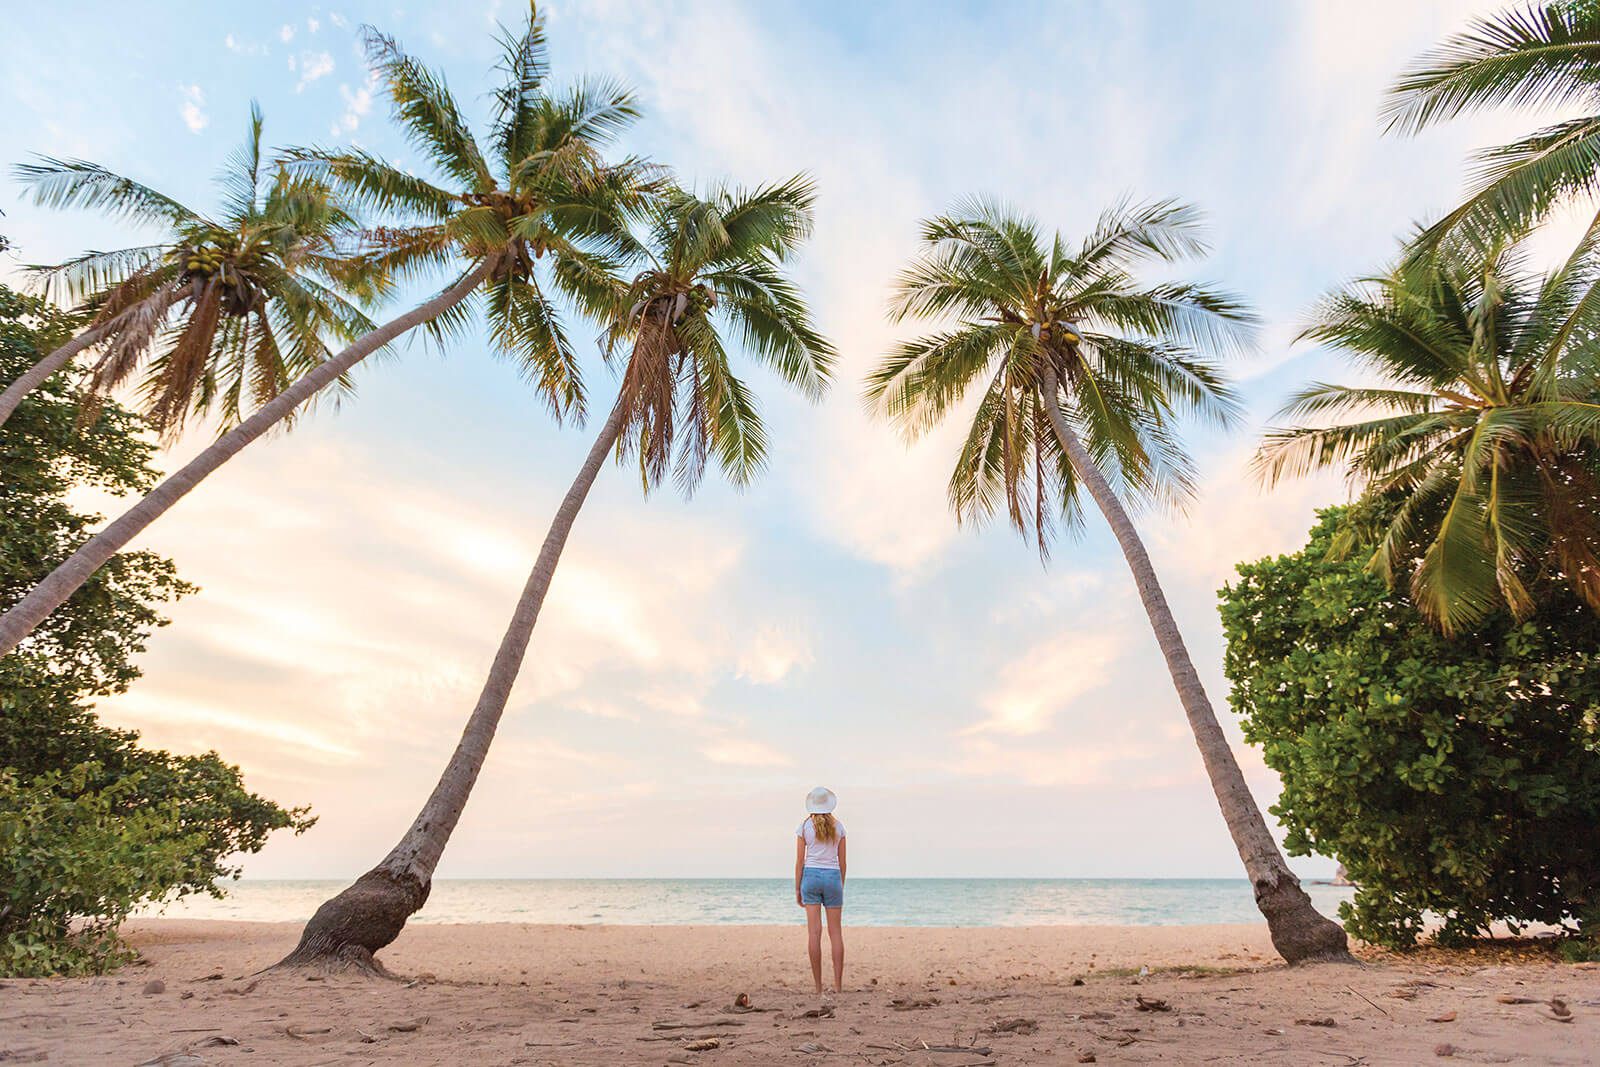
x: 948, y: 997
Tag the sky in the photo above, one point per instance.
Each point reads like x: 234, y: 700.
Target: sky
x: 699, y: 665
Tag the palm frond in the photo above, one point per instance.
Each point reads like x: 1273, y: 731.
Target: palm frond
x: 1517, y: 185
x: 78, y: 279
x: 424, y: 108
x: 735, y: 433
x: 1128, y: 232
x: 64, y: 183
x: 240, y: 177
x: 525, y: 62
x: 1530, y: 56
x: 775, y: 325
x: 526, y: 327
x: 376, y: 185
x: 1198, y: 316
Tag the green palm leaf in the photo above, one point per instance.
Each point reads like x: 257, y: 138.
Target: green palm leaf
x: 1535, y: 56
x: 1491, y: 388
x: 1130, y: 358
x: 715, y: 268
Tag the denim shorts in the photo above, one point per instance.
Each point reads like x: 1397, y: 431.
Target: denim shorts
x: 822, y: 885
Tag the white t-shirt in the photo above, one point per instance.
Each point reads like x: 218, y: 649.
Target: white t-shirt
x: 817, y: 853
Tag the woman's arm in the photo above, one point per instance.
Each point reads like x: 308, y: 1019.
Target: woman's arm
x: 799, y: 865
x: 841, y: 859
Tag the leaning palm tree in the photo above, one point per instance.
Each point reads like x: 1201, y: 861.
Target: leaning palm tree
x: 1084, y: 372
x: 1484, y: 429
x: 715, y: 266
x: 245, y: 286
x: 548, y: 199
x: 1534, y: 56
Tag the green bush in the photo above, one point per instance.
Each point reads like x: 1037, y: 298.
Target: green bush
x: 75, y: 862
x: 1453, y: 776
x: 91, y: 824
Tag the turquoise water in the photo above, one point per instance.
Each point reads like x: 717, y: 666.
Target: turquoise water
x: 770, y: 901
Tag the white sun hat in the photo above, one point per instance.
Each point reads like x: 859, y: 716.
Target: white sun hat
x: 820, y: 801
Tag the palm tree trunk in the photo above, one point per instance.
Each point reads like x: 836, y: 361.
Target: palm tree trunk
x: 1299, y: 932
x: 65, y: 580
x: 347, y: 929
x: 61, y: 357
x: 35, y: 375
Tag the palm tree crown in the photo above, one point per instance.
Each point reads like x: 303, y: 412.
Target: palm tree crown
x: 1129, y: 358
x: 1535, y: 56
x: 234, y: 306
x: 541, y: 189
x: 712, y: 257
x: 1484, y: 430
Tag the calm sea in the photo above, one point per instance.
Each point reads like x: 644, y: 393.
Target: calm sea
x: 770, y: 901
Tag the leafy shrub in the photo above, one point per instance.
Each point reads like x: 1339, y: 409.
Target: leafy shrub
x: 1453, y: 776
x: 74, y: 857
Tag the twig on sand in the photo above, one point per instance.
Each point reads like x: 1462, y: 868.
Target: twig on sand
x: 195, y: 1029
x: 694, y: 1026
x: 1364, y: 997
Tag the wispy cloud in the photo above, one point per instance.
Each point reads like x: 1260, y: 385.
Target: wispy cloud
x: 311, y: 66
x: 244, y: 48
x: 772, y: 654
x: 194, y: 112
x: 1046, y: 679
x: 357, y: 103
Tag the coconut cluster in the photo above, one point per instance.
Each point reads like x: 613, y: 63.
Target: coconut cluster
x: 220, y: 260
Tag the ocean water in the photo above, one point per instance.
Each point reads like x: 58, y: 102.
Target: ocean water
x: 770, y: 901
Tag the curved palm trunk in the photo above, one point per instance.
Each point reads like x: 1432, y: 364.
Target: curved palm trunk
x: 37, y: 374
x: 347, y: 929
x: 65, y: 580
x: 1299, y: 932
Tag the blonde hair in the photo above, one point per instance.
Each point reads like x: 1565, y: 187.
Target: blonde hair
x: 826, y: 829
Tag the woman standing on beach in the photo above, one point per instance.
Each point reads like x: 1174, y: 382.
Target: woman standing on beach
x: 819, y: 869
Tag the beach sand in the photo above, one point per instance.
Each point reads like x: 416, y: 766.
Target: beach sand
x: 516, y: 994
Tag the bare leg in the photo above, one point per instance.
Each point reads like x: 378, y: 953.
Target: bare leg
x: 814, y: 941
x: 836, y: 940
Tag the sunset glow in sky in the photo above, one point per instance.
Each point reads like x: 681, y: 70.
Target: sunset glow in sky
x: 700, y: 665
